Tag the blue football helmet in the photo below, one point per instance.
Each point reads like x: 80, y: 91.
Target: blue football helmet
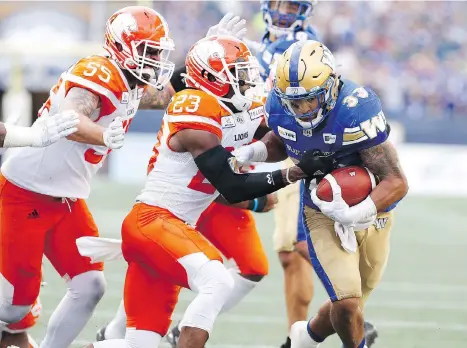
x: 285, y: 17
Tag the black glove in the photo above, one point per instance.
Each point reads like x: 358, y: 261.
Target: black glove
x: 315, y: 164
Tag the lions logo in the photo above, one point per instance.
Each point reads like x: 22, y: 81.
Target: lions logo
x: 124, y: 23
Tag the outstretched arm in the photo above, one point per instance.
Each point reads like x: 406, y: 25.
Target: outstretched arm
x: 217, y: 165
x: 269, y: 149
x: 382, y: 161
x: 44, y: 132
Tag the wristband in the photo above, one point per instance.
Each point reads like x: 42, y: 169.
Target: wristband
x: 257, y: 204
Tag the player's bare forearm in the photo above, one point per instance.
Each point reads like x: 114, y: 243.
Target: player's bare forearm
x: 84, y: 102
x: 155, y: 99
x: 261, y: 131
x: 382, y: 161
x: 275, y: 146
x: 240, y: 205
x: 2, y: 134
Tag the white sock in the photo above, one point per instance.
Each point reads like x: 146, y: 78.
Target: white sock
x: 117, y: 327
x: 75, y: 309
x: 141, y: 339
x: 110, y: 344
x: 242, y: 287
x: 299, y: 336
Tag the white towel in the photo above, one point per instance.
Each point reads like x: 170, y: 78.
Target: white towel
x: 347, y: 233
x: 347, y: 236
x: 100, y: 249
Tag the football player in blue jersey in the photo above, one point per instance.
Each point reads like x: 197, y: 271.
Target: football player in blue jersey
x: 286, y: 23
x: 317, y: 116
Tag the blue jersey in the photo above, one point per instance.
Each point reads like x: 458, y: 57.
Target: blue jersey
x: 269, y: 50
x: 356, y: 123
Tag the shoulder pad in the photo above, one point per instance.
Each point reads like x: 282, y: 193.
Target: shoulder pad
x: 194, y: 102
x: 194, y: 109
x: 99, y: 75
x: 363, y: 118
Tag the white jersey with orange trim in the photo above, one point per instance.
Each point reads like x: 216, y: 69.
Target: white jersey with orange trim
x: 174, y: 181
x: 65, y: 168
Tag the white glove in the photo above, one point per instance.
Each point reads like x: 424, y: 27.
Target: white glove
x: 256, y: 152
x: 243, y: 155
x: 339, y: 211
x: 365, y: 223
x: 114, y: 135
x: 229, y: 25
x: 50, y: 129
x: 44, y: 132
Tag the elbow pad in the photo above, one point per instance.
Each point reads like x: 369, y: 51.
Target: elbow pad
x: 215, y: 164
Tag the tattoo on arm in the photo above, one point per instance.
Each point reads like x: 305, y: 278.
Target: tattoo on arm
x: 155, y: 99
x: 382, y: 160
x: 82, y: 101
x: 2, y: 133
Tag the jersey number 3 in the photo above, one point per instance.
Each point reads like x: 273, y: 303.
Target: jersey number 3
x: 180, y: 106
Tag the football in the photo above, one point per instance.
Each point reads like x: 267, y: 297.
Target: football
x: 356, y: 184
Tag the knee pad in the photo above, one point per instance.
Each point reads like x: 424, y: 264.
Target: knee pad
x: 10, y: 313
x: 89, y: 287
x: 213, y: 283
x: 213, y: 279
x: 141, y: 339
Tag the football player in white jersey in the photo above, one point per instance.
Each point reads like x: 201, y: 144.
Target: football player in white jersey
x: 42, y: 205
x: 191, y: 166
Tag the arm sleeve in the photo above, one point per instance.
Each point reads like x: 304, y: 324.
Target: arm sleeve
x: 215, y: 164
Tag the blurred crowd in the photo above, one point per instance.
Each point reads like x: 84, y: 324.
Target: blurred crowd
x: 413, y: 53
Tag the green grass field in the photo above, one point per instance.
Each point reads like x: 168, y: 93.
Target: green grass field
x: 421, y: 302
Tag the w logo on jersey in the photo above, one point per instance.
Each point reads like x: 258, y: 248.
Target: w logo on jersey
x: 374, y: 125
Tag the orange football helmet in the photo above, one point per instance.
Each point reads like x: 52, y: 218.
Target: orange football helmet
x: 220, y: 65
x: 137, y: 38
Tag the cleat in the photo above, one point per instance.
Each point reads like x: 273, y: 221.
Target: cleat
x: 100, y: 336
x: 172, y: 336
x: 286, y: 344
x: 370, y: 334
